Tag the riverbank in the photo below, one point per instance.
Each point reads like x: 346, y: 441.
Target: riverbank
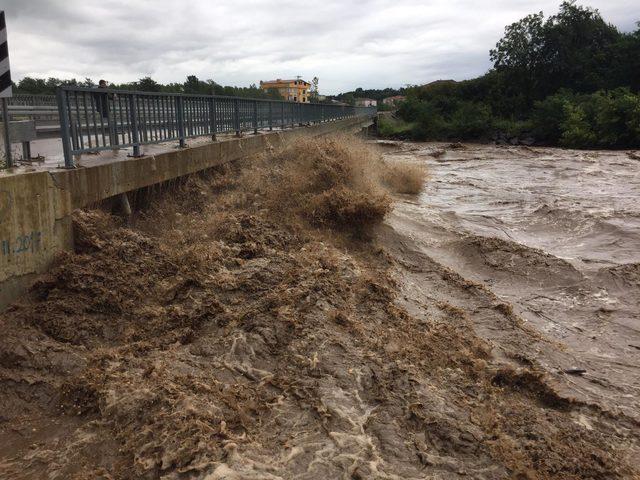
x: 263, y: 322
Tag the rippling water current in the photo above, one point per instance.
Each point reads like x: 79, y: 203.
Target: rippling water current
x: 554, y: 233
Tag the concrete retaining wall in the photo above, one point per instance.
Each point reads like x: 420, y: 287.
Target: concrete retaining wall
x: 36, y: 207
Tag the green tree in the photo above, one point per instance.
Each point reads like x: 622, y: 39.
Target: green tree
x: 195, y: 86
x: 32, y: 85
x: 148, y: 84
x: 569, y: 50
x: 519, y: 53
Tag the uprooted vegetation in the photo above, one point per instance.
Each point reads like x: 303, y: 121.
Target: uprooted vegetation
x: 239, y: 330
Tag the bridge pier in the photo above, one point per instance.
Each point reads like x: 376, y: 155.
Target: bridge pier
x: 124, y: 206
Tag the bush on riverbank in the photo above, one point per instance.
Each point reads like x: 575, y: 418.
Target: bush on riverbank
x: 392, y: 127
x: 603, y: 119
x: 607, y: 119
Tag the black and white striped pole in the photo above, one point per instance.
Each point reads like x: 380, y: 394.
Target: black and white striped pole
x: 5, y: 86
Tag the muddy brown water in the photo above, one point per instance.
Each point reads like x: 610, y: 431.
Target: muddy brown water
x: 553, y: 233
x: 221, y: 336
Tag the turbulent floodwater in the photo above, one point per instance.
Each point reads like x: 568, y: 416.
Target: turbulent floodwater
x: 555, y: 233
x: 294, y: 316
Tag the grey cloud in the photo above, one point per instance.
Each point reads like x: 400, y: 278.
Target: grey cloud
x: 347, y: 44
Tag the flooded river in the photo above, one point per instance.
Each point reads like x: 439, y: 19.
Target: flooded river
x: 553, y: 233
x: 288, y: 317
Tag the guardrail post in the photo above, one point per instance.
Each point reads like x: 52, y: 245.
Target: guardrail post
x: 282, y: 125
x: 270, y: 115
x: 61, y: 97
x: 133, y: 120
x: 212, y: 118
x: 26, y: 150
x: 180, y: 119
x: 255, y: 117
x: 236, y: 116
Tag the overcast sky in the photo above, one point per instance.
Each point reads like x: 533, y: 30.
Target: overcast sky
x: 372, y: 44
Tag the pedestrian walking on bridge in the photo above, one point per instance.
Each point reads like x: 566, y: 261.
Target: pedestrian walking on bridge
x: 103, y: 108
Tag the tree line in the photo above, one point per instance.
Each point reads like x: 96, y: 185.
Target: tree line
x: 571, y: 79
x: 192, y: 85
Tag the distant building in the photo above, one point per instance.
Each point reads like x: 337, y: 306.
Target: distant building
x: 366, y: 102
x: 393, y: 101
x: 292, y: 90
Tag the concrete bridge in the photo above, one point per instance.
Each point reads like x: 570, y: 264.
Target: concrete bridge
x: 36, y: 201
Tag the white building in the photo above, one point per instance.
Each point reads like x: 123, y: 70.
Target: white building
x: 366, y: 102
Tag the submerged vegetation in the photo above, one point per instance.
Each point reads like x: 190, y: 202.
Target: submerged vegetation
x: 572, y: 80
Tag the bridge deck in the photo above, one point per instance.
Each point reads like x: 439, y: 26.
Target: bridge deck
x: 50, y: 151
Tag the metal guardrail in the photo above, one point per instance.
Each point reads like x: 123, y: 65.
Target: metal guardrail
x: 44, y: 116
x: 25, y: 100
x: 95, y: 119
x: 34, y: 112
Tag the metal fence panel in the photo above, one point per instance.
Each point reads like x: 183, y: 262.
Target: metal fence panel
x: 32, y: 100
x: 95, y: 119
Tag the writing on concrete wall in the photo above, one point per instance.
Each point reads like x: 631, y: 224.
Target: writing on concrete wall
x: 28, y: 243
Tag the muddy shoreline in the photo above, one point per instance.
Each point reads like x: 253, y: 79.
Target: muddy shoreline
x: 248, y: 326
